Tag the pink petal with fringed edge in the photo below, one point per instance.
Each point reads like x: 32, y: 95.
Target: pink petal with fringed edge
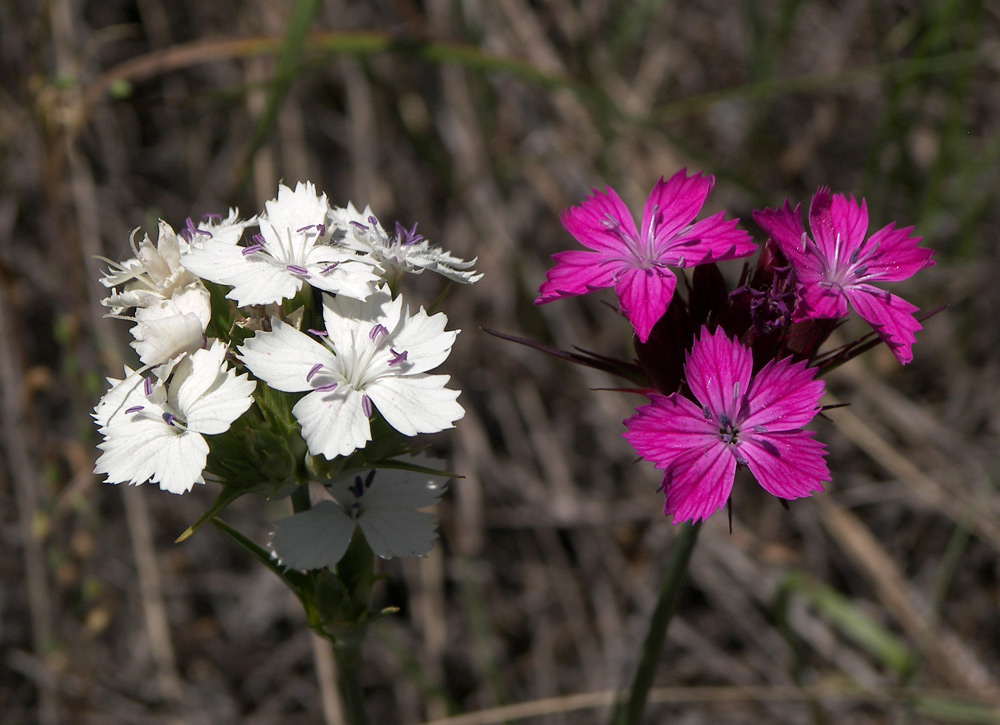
x: 673, y: 204
x: 897, y: 257
x: 644, y: 295
x: 718, y: 372
x: 890, y: 316
x: 788, y: 465
x: 783, y: 396
x: 590, y: 223
x: 577, y: 273
x: 699, y: 483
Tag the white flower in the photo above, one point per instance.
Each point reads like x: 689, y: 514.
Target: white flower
x: 154, y: 274
x: 375, y: 355
x: 293, y: 247
x: 228, y: 230
x: 170, y: 327
x: 381, y: 502
x: 153, y: 427
x: 407, y: 251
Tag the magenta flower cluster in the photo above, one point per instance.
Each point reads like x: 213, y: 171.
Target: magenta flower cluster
x: 732, y: 376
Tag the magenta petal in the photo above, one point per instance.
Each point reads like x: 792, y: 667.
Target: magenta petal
x: 643, y: 295
x: 699, y: 483
x: 788, y: 465
x: 718, y: 371
x: 898, y: 256
x: 783, y: 396
x: 667, y: 427
x: 603, y: 223
x: 784, y: 226
x: 576, y: 273
x: 673, y: 204
x: 890, y: 316
x: 819, y: 302
x: 714, y: 239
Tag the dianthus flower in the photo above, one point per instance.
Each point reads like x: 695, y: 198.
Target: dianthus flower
x: 635, y: 261
x: 736, y: 419
x: 836, y: 266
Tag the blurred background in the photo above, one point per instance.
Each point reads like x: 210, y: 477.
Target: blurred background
x: 876, y: 602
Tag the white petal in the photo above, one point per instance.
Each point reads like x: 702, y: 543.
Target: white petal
x: 349, y: 278
x: 333, y: 423
x: 416, y: 403
x: 315, y: 538
x: 425, y: 341
x: 213, y: 409
x: 398, y: 532
x: 122, y: 395
x: 148, y: 449
x: 256, y: 279
x: 161, y: 333
x: 284, y: 357
x: 347, y: 319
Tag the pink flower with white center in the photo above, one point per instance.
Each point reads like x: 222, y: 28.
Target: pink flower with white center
x: 635, y: 261
x: 835, y: 267
x: 735, y: 419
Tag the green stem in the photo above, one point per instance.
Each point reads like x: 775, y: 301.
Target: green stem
x: 629, y: 712
x: 347, y: 652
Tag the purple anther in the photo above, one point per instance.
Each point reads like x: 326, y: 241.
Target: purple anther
x: 318, y: 333
x: 258, y: 238
x: 359, y: 226
x: 366, y: 405
x: 759, y: 429
x: 408, y: 236
x: 373, y: 221
x: 326, y: 388
x: 133, y: 409
x: 296, y: 269
x: 212, y: 217
x: 147, y: 386
x: 379, y: 329
x: 741, y: 460
x: 736, y: 390
x: 306, y: 228
x: 329, y: 268
x: 169, y: 418
x: 312, y: 371
x: 397, y: 357
x: 706, y: 412
x: 247, y: 251
x: 321, y: 229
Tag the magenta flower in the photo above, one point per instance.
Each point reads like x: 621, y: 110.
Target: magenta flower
x: 739, y: 419
x: 636, y: 264
x: 835, y: 268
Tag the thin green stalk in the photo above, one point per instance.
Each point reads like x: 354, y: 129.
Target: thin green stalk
x: 347, y: 652
x: 629, y: 712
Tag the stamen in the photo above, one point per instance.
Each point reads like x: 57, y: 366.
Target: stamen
x: 724, y: 420
x: 736, y: 390
x: 212, y: 217
x: 307, y: 227
x: 318, y: 333
x: 326, y: 388
x: 373, y: 221
x: 741, y: 460
x: 169, y: 418
x: 379, y: 329
x: 147, y: 386
x: 397, y: 357
x: 759, y: 429
x: 247, y: 251
x: 366, y: 405
x: 861, y: 271
x: 321, y: 229
x: 133, y: 409
x: 706, y: 412
x: 312, y: 371
x: 359, y: 226
x: 296, y: 269
x: 258, y: 238
x: 855, y: 255
x: 329, y: 268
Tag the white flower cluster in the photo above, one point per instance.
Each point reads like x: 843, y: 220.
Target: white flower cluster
x: 373, y: 354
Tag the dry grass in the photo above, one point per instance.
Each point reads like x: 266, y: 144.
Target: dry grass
x: 553, y: 544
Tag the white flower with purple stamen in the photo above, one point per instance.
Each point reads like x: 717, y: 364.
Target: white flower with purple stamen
x: 294, y: 247
x: 383, y: 503
x: 153, y: 275
x: 373, y: 354
x: 406, y: 251
x: 154, y: 426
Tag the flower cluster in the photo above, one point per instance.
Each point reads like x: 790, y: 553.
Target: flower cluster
x: 304, y: 298
x: 731, y: 377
